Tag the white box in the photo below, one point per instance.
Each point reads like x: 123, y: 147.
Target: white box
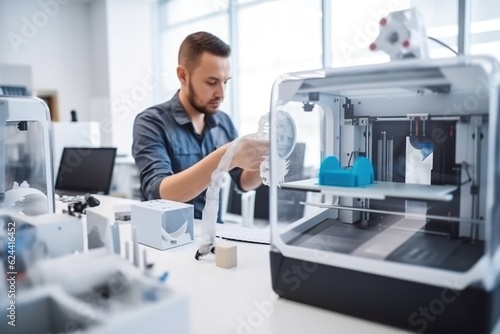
x: 163, y: 224
x: 62, y: 233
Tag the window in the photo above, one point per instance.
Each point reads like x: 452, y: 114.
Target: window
x: 182, y: 18
x: 178, y: 12
x: 439, y: 26
x: 351, y: 34
x: 485, y: 28
x: 287, y: 38
x: 270, y: 38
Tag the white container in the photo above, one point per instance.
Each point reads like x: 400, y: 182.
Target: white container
x: 163, y: 224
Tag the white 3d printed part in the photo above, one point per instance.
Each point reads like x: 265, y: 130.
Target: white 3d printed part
x: 286, y: 138
x: 163, y: 224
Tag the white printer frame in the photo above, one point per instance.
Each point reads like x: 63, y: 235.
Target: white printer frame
x: 355, y: 253
x: 29, y: 109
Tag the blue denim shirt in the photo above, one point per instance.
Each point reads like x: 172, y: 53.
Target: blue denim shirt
x: 165, y: 143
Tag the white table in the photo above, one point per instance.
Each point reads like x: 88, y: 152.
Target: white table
x: 239, y: 300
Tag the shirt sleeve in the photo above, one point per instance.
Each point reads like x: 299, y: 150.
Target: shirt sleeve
x: 151, y: 155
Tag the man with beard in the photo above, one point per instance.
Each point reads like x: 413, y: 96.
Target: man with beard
x: 178, y: 144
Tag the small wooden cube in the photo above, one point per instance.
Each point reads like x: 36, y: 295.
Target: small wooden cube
x: 225, y: 255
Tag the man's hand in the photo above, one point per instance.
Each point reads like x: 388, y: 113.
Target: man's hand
x: 249, y: 152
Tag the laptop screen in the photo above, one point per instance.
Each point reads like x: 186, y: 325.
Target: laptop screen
x: 86, y: 170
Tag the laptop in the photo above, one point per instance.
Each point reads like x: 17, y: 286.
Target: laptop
x: 85, y: 170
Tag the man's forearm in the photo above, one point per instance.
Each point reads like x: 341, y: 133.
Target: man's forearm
x: 188, y: 184
x: 250, y: 180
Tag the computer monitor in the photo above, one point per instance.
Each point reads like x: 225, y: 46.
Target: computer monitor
x: 86, y: 170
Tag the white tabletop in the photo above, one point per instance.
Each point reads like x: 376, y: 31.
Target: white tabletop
x: 240, y: 299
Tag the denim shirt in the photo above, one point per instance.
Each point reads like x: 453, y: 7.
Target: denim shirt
x: 165, y: 143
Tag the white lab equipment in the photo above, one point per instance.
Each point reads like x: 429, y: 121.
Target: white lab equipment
x: 92, y: 292
x: 95, y: 293
x: 402, y: 35
x: 25, y: 149
x: 101, y: 233
x: 57, y: 234
x: 163, y: 224
x: 386, y: 250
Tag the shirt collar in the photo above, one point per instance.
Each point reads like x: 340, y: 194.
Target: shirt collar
x: 182, y: 118
x: 178, y: 111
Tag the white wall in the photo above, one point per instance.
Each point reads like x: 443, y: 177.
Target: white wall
x: 99, y: 60
x: 132, y: 77
x: 97, y: 54
x: 53, y: 37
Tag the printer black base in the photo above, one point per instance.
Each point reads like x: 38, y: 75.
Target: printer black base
x: 417, y: 307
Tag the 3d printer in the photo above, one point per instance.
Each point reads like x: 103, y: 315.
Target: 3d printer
x: 417, y: 247
x: 26, y: 177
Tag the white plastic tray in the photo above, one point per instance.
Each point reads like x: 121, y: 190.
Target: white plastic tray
x: 379, y: 190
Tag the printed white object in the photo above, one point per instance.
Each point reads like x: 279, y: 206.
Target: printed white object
x: 225, y: 255
x: 286, y: 138
x: 24, y: 199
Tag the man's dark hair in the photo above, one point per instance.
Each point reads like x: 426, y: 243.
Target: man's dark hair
x: 196, y: 43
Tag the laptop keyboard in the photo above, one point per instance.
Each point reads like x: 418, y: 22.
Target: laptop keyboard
x: 240, y: 233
